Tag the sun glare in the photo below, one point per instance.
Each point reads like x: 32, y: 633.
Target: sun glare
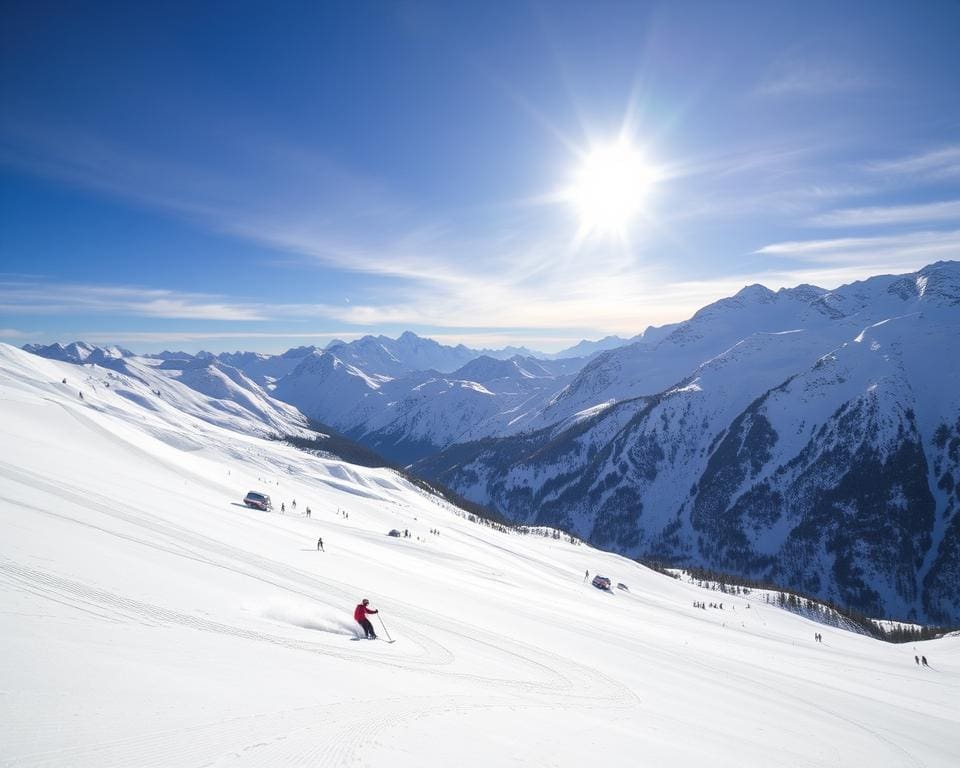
x: 610, y: 188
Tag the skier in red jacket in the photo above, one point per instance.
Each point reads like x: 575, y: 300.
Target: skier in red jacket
x: 360, y: 616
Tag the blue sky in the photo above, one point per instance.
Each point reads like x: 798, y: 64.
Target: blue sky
x: 264, y: 175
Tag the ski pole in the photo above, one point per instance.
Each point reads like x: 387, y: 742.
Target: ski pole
x: 384, y: 628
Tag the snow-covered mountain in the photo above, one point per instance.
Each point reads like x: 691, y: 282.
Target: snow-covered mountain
x: 377, y: 356
x: 417, y: 415
x: 201, y: 388
x: 588, y: 349
x: 805, y: 436
x: 266, y: 369
x: 78, y: 352
x: 396, y: 357
x: 148, y: 618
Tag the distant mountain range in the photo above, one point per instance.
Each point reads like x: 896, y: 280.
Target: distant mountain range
x: 804, y: 436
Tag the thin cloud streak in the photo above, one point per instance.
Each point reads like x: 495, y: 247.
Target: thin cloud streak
x: 936, y: 164
x: 929, y: 245
x: 164, y: 337
x: 50, y: 299
x: 812, y: 75
x: 892, y: 214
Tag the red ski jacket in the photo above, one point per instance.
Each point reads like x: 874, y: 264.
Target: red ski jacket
x: 361, y: 611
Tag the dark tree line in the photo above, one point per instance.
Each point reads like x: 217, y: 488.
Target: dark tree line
x: 797, y: 602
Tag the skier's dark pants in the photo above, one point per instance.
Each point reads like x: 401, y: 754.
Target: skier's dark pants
x: 367, y: 628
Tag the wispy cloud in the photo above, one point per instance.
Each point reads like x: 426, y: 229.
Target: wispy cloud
x: 812, y: 75
x: 889, y: 214
x: 890, y: 251
x: 174, y: 337
x: 16, y: 333
x: 935, y: 164
x: 36, y: 298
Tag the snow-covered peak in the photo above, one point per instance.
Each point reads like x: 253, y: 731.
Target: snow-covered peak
x: 78, y: 352
x: 486, y: 369
x: 587, y: 348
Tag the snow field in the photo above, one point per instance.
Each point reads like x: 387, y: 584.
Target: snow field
x: 148, y: 618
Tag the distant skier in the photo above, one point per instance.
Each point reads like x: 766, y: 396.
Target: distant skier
x: 283, y: 507
x: 294, y: 504
x: 924, y: 660
x: 917, y: 659
x: 360, y: 616
x: 320, y: 546
x: 308, y: 511
x: 586, y: 575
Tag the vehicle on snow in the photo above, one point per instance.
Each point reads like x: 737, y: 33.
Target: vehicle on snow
x: 624, y: 587
x: 601, y: 582
x: 394, y: 532
x: 258, y: 500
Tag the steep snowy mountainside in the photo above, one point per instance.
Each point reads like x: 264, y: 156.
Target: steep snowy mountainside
x: 839, y: 460
x: 833, y: 472
x: 648, y: 366
x: 422, y: 417
x: 169, y: 390
x: 328, y: 389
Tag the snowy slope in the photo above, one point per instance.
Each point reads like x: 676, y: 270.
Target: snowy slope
x: 148, y: 618
x: 168, y: 390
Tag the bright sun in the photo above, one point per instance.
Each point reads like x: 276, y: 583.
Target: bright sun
x: 610, y: 188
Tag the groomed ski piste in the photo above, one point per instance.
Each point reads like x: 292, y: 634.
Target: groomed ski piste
x: 148, y: 618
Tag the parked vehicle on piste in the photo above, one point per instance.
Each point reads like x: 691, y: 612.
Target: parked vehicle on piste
x: 601, y: 582
x: 258, y: 500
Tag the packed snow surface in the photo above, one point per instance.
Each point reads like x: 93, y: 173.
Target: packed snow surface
x: 148, y: 618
